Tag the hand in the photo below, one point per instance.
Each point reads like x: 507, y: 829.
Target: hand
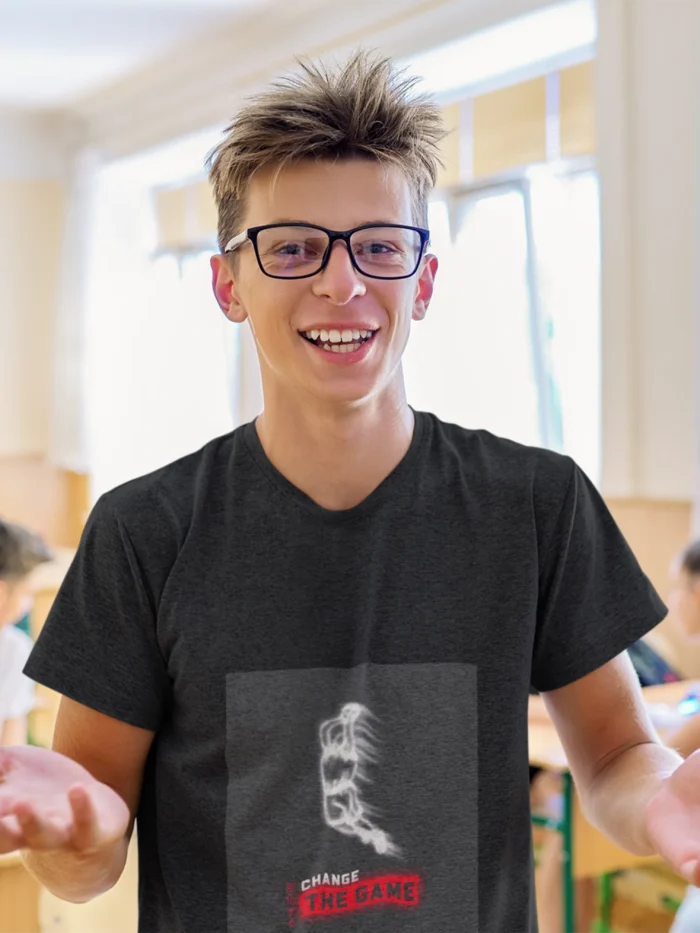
x: 673, y: 820
x: 49, y: 802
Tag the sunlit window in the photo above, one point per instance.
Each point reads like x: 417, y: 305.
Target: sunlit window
x: 511, y: 342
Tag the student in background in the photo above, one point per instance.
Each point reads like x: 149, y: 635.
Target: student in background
x: 20, y: 552
x: 684, y: 605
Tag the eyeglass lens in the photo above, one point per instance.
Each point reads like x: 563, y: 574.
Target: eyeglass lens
x: 385, y: 252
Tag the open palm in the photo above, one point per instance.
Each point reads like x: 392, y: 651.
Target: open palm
x: 48, y: 801
x: 673, y: 820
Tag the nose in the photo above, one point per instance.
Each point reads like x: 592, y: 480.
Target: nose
x: 339, y: 282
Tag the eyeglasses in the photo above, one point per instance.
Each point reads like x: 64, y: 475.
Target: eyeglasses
x: 297, y: 251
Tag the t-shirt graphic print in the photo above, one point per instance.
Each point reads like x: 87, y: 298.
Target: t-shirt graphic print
x: 347, y: 818
x: 347, y: 746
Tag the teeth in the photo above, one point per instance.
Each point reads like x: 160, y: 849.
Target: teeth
x: 340, y: 341
x: 341, y: 347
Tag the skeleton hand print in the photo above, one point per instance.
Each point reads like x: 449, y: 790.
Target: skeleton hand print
x: 347, y: 744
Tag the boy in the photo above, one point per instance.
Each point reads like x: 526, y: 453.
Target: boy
x: 302, y: 655
x: 20, y: 553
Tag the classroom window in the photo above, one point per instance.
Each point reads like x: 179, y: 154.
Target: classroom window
x: 511, y: 342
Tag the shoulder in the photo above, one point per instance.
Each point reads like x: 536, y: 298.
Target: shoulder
x: 503, y: 464
x: 167, y: 497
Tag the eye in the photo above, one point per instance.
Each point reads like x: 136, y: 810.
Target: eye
x: 296, y: 249
x: 377, y: 247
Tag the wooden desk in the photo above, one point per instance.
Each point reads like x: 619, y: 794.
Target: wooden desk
x: 587, y: 852
x: 19, y: 897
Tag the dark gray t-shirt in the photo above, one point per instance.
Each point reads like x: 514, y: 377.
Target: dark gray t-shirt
x: 340, y: 698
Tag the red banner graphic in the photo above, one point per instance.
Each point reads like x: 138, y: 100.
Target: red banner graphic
x: 381, y: 891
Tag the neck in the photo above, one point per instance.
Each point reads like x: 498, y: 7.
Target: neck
x: 336, y: 454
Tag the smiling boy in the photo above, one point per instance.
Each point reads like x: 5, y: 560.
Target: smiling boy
x: 305, y: 651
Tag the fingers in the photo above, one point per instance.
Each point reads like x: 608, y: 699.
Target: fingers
x: 40, y: 832
x: 84, y: 835
x: 690, y: 870
x: 26, y: 824
x: 10, y: 835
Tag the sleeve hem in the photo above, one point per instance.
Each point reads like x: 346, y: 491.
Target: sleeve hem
x: 99, y: 704
x: 621, y: 641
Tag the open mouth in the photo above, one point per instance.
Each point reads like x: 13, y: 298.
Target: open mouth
x: 338, y: 341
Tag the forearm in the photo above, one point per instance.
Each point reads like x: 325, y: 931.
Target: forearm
x: 76, y: 877
x: 616, y: 799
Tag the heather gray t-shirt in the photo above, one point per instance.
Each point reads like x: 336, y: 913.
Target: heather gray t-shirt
x: 340, y: 698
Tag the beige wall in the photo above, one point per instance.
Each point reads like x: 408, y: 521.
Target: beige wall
x: 31, y: 224
x: 33, y: 202
x: 648, y: 76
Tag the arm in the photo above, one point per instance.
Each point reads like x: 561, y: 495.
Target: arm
x: 115, y: 754
x: 686, y: 740
x: 616, y: 758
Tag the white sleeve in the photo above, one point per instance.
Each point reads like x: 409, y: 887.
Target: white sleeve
x: 17, y: 696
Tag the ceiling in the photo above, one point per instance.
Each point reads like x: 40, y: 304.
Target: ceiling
x: 52, y: 52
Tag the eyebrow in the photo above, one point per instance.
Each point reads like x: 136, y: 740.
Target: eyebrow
x: 379, y: 222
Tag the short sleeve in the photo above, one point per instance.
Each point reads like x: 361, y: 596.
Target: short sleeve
x: 99, y: 643
x: 594, y: 599
x: 17, y: 692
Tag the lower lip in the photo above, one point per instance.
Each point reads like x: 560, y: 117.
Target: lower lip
x: 343, y: 359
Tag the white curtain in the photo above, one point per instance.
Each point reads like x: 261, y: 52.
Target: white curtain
x: 162, y: 359
x: 68, y: 444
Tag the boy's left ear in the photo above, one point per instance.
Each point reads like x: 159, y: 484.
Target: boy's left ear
x: 426, y: 284
x: 225, y: 291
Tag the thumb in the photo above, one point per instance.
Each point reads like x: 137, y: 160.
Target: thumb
x: 689, y: 870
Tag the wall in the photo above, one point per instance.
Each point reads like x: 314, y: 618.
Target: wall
x: 33, y: 162
x: 649, y: 156
x: 31, y: 218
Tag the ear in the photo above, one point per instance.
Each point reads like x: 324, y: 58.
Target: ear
x: 426, y: 284
x: 695, y: 588
x: 225, y: 289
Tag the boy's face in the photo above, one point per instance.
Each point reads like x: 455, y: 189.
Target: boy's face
x: 684, y: 602
x: 337, y: 195
x: 16, y: 599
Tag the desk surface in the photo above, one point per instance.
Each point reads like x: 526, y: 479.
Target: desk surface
x: 545, y: 745
x: 10, y: 860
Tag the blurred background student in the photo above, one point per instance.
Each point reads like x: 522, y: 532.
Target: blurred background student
x: 21, y: 551
x: 684, y: 606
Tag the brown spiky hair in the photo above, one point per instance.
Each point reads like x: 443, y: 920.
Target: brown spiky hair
x: 364, y: 109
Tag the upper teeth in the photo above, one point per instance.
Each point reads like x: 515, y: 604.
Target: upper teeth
x: 338, y: 336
